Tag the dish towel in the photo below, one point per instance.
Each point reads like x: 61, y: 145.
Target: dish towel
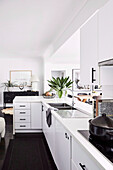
x: 48, y: 115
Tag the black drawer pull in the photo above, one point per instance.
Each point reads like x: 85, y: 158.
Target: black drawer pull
x: 82, y: 166
x: 22, y: 105
x: 22, y: 112
x: 22, y: 119
x: 22, y: 125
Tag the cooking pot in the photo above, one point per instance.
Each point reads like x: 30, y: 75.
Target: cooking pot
x: 101, y: 128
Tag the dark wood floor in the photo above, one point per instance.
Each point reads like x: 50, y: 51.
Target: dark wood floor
x: 9, y: 135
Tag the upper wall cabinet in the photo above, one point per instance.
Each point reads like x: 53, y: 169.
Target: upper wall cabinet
x: 88, y: 51
x: 105, y: 32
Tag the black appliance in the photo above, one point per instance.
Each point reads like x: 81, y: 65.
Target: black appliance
x: 106, y: 148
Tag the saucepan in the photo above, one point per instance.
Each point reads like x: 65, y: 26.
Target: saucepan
x: 101, y: 128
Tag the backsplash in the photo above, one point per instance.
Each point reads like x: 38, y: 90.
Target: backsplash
x: 105, y: 107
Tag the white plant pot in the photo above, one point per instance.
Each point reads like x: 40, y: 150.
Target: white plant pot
x: 9, y: 88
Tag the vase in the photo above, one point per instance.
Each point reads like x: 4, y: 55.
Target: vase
x: 63, y: 95
x: 9, y: 89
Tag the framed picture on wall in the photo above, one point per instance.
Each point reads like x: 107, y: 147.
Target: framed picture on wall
x: 75, y: 78
x: 58, y: 73
x: 21, y: 77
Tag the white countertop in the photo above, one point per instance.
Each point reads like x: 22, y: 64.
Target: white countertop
x: 71, y: 125
x: 34, y: 99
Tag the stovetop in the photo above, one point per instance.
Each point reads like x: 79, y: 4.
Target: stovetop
x: 106, y: 148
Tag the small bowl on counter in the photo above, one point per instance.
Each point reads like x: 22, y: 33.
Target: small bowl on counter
x: 49, y: 97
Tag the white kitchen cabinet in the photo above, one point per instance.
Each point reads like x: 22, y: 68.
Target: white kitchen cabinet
x: 105, y: 32
x: 36, y: 116
x: 82, y: 159
x: 27, y: 117
x: 73, y: 166
x: 21, y: 117
x: 51, y: 136
x: 22, y: 112
x: 62, y: 147
x: 20, y: 106
x: 49, y: 132
x: 44, y: 126
x: 22, y: 125
x: 89, y: 51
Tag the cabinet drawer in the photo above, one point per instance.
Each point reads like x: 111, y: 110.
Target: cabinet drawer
x: 22, y: 119
x: 22, y: 125
x: 82, y: 158
x: 22, y: 106
x: 22, y: 112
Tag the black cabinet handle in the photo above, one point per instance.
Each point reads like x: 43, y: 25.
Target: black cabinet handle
x: 22, y: 119
x: 93, y: 70
x: 22, y: 105
x: 42, y: 108
x: 82, y: 166
x: 66, y: 136
x: 22, y: 112
x: 22, y: 125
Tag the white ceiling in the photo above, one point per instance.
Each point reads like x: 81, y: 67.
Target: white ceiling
x: 69, y: 52
x: 33, y: 28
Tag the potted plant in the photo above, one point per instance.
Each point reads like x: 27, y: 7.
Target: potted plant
x: 8, y: 84
x: 60, y: 85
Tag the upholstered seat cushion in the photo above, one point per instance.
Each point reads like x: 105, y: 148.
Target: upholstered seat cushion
x: 2, y: 127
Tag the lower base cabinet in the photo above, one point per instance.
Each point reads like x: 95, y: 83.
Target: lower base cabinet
x: 73, y: 166
x: 58, y: 141
x: 68, y: 153
x: 49, y: 132
x: 51, y: 136
x: 36, y: 116
x: 62, y: 147
x: 82, y: 159
x: 27, y: 117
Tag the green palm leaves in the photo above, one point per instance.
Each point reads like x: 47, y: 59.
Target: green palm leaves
x: 60, y: 85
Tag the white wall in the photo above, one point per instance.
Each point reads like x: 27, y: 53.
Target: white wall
x: 69, y: 52
x: 34, y: 64
x: 48, y: 67
x: 66, y: 58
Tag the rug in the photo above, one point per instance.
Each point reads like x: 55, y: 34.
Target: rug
x: 27, y: 154
x: 8, y: 111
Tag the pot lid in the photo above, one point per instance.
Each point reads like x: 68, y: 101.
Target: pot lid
x: 103, y: 121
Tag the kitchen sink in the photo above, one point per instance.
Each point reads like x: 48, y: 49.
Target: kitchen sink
x: 67, y: 111
x: 61, y: 106
x: 72, y: 114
